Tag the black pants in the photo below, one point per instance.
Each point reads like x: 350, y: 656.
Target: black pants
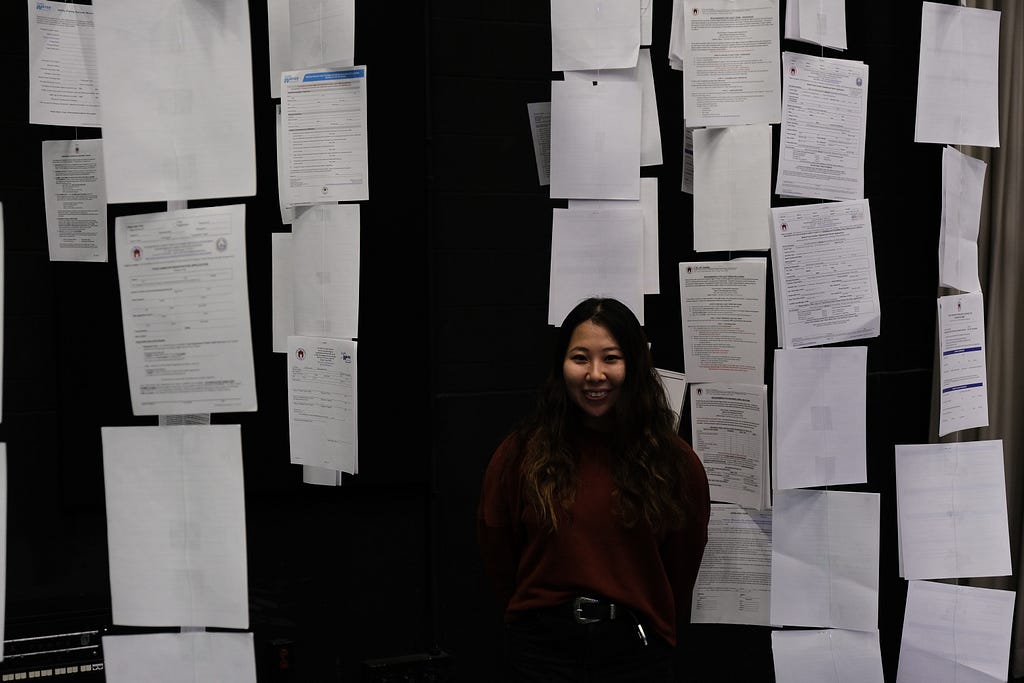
x: 551, y: 647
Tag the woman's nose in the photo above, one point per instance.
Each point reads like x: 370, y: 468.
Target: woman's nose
x: 595, y: 373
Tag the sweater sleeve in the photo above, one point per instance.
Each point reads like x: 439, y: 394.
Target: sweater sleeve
x: 497, y: 525
x: 683, y: 550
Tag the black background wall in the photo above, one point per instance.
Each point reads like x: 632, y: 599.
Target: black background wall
x: 453, y: 335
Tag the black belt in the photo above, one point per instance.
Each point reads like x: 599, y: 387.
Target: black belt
x: 587, y: 610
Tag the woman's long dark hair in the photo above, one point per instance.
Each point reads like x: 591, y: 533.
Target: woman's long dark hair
x: 646, y: 462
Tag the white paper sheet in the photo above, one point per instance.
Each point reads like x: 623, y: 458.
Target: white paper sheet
x: 955, y: 634
x: 821, y: 22
x: 687, y: 184
x: 820, y: 417
x: 288, y: 210
x: 963, y: 377
x: 540, y: 132
x: 176, y: 97
x: 189, y: 419
x: 732, y: 183
x: 730, y: 435
x: 75, y: 195
x: 591, y: 34
x: 279, y: 43
x: 595, y: 139
x: 823, y: 265
x: 734, y: 582
x: 731, y: 51
x: 63, y: 85
x: 3, y: 541
x: 963, y: 183
x: 596, y: 253
x: 3, y: 278
x: 676, y: 38
x: 323, y: 135
x: 322, y: 33
x: 829, y: 656
x: 281, y: 291
x: 648, y: 205
x: 674, y: 384
x: 825, y: 559
x: 320, y: 476
x: 722, y: 309
x: 179, y: 657
x: 325, y: 271
x: 185, y: 311
x: 824, y: 122
x: 958, y: 76
x: 650, y: 125
x: 646, y: 22
x: 322, y: 403
x: 951, y: 508
x: 176, y: 525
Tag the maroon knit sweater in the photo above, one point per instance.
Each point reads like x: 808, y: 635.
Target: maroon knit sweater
x: 591, y: 553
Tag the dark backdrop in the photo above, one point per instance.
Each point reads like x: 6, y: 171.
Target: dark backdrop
x: 453, y: 335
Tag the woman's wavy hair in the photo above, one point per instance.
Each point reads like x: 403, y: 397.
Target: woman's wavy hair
x: 646, y: 463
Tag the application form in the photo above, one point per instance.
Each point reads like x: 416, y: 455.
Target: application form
x: 823, y: 263
x: 322, y: 406
x: 730, y: 434
x: 63, y: 84
x: 185, y: 311
x: 963, y: 379
x: 323, y: 135
x: 824, y: 120
x: 734, y: 582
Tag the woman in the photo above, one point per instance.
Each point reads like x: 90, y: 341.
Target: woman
x: 593, y: 513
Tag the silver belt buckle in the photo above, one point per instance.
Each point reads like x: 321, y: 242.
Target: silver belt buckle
x: 577, y: 610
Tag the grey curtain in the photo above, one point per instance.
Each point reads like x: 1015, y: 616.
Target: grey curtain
x: 1001, y: 269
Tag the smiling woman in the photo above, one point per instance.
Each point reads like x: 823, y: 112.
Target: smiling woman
x: 593, y: 514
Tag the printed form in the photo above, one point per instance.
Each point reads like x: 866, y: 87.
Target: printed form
x: 735, y: 579
x: 323, y: 135
x: 731, y: 53
x: 75, y: 193
x: 63, y: 83
x: 730, y: 434
x: 824, y: 119
x: 962, y: 373
x: 322, y: 407
x: 823, y: 262
x: 722, y: 306
x: 185, y: 311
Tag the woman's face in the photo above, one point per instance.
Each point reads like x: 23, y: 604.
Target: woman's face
x: 594, y: 370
